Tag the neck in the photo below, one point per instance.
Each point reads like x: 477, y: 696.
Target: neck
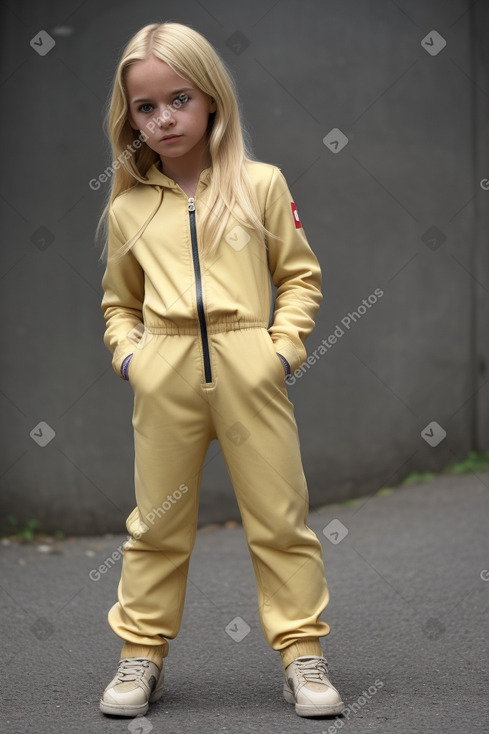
x: 186, y: 170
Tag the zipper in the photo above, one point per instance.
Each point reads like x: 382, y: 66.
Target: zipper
x: 198, y: 288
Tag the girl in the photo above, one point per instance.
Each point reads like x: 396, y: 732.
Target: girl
x: 195, y: 228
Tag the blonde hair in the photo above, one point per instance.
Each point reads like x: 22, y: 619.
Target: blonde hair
x: 230, y: 190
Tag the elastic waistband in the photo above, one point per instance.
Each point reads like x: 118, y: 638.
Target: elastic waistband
x: 169, y: 327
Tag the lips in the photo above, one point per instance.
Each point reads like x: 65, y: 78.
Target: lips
x: 171, y: 137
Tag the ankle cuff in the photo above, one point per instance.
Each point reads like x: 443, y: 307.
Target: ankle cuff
x: 155, y: 653
x: 302, y: 647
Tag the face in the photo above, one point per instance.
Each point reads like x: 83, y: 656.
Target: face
x: 170, y: 110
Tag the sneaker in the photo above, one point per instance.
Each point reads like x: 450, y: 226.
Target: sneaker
x: 137, y: 683
x: 307, y: 686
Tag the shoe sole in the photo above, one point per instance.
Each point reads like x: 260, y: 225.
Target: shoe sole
x: 117, y: 709
x: 114, y: 709
x: 308, y: 709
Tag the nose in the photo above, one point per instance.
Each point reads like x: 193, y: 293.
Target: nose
x: 165, y: 117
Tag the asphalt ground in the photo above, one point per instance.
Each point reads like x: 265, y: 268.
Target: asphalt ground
x: 408, y: 573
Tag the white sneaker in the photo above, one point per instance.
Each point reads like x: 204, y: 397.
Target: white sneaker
x: 137, y: 683
x: 307, y: 685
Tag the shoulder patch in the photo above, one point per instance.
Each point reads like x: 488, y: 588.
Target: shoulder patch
x: 295, y: 214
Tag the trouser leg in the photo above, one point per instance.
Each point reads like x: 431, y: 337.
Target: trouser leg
x: 171, y: 436
x: 258, y: 434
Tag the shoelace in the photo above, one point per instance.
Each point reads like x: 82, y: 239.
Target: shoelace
x: 131, y: 669
x: 313, y: 670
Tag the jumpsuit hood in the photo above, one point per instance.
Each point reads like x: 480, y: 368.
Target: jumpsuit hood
x: 159, y: 182
x: 155, y: 177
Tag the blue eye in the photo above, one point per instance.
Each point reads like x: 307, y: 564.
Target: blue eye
x: 182, y: 98
x: 146, y: 104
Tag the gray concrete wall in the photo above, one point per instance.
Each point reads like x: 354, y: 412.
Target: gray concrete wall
x: 400, y: 208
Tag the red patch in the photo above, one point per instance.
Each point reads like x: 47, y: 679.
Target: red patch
x: 295, y: 214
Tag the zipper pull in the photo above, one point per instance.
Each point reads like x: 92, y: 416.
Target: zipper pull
x: 191, y: 204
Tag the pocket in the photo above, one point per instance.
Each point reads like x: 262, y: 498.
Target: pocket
x: 140, y: 345
x: 278, y: 362
x: 131, y: 366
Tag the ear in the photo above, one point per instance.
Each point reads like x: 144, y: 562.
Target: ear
x: 212, y: 105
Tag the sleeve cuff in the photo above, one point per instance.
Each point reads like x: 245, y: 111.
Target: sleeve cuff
x: 125, y: 367
x: 284, y: 346
x: 285, y: 364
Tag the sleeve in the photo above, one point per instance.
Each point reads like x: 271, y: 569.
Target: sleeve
x: 122, y: 302
x: 295, y: 272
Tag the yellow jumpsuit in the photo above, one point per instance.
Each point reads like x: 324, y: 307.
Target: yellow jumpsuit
x: 205, y: 366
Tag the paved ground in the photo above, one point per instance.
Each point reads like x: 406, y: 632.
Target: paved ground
x: 409, y: 587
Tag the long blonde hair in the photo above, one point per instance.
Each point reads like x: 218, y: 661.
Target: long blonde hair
x: 230, y: 189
